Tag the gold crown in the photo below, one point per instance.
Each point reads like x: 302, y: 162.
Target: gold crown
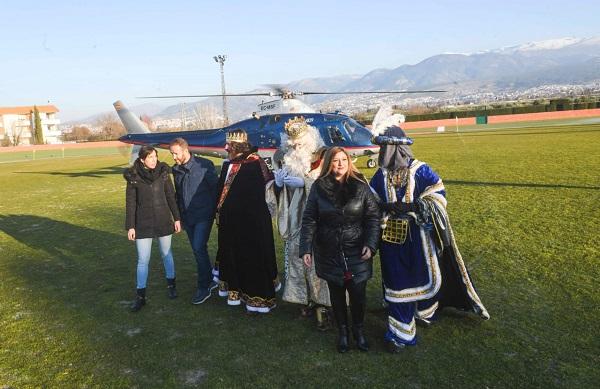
x: 296, y: 127
x: 236, y: 136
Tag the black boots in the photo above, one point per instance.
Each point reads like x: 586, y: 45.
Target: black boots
x: 171, y: 288
x: 342, y: 343
x: 140, y: 300
x: 359, y: 337
x: 344, y: 338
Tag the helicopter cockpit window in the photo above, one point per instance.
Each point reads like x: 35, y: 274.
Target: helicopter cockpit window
x: 335, y: 134
x: 350, y: 127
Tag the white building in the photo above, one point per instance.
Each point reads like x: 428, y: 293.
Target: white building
x: 16, y: 125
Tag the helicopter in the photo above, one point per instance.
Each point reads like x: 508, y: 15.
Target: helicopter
x: 264, y: 127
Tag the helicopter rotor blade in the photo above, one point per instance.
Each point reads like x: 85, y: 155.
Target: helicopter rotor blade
x: 281, y: 91
x: 373, y: 92
x: 220, y: 95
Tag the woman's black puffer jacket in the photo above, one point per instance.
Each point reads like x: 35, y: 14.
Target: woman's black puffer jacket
x: 338, y: 221
x: 150, y: 201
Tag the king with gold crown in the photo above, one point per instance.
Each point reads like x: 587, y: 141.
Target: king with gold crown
x: 300, y: 148
x: 246, y: 252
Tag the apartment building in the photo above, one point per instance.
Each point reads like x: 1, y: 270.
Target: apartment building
x: 16, y: 124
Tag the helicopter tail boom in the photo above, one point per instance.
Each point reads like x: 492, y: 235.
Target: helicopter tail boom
x: 132, y: 123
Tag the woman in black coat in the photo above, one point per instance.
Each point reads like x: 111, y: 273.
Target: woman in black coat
x: 340, y: 228
x: 151, y: 212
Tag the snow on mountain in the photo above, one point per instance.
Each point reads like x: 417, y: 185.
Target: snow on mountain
x: 550, y: 44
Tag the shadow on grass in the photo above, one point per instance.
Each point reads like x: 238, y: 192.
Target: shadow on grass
x: 73, y: 257
x: 99, y: 173
x: 520, y: 184
x: 53, y: 236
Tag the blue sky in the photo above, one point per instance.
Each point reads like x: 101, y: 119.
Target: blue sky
x: 84, y: 55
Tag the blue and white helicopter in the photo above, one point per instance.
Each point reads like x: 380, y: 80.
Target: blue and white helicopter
x: 265, y: 128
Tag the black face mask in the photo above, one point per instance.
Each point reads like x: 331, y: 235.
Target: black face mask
x: 395, y: 157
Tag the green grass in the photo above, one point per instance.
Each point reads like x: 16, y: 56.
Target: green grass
x: 524, y: 205
x: 545, y: 124
x: 31, y: 155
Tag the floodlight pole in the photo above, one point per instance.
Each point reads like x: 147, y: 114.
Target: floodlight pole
x: 220, y: 59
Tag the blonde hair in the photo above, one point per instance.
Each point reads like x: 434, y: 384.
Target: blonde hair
x: 328, y: 165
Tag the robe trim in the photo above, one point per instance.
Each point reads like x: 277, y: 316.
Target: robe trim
x: 410, y: 184
x: 428, y: 313
x: 233, y: 170
x: 425, y: 291
x: 432, y: 189
x: 404, y: 331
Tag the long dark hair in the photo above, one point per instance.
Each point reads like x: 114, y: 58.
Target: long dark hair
x: 327, y: 166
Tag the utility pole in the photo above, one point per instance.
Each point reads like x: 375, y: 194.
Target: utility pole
x: 183, y: 123
x: 220, y: 59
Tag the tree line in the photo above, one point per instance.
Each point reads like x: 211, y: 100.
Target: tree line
x: 416, y: 114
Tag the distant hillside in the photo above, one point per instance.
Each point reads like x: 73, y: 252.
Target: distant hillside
x: 150, y: 109
x: 566, y: 60
x: 534, y: 64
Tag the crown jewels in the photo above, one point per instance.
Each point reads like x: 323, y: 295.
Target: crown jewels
x: 236, y: 136
x: 296, y: 127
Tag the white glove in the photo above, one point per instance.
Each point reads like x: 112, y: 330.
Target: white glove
x: 279, y: 174
x: 293, y: 182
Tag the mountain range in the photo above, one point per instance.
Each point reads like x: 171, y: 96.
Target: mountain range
x: 573, y: 61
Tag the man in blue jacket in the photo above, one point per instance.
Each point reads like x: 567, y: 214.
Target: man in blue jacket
x: 196, y: 187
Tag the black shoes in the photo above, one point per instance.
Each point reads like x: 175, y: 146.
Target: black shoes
x: 201, y: 296
x: 359, y: 337
x: 342, y: 343
x: 172, y: 291
x: 140, y: 300
x: 394, y: 347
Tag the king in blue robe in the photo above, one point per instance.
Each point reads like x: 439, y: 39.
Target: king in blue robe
x: 422, y: 268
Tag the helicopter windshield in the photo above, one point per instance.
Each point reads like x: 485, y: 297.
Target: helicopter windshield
x: 335, y: 134
x: 356, y: 132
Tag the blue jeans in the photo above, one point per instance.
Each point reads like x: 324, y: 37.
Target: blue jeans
x: 144, y: 249
x: 198, y: 235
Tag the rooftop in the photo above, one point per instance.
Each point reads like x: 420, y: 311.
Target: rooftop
x: 24, y: 110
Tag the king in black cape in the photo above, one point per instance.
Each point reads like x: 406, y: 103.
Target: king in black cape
x: 246, y: 253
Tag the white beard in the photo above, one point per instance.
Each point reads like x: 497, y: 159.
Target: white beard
x: 297, y: 162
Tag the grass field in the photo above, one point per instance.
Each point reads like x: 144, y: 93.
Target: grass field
x: 525, y: 207
x: 30, y: 155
